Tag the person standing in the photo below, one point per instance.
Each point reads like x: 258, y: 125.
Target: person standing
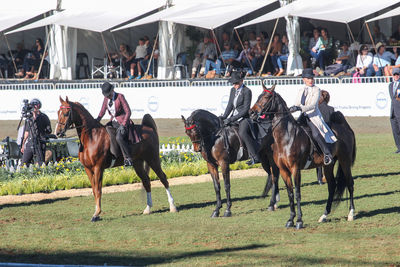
x: 307, y: 102
x: 118, y: 108
x: 394, y: 91
x: 36, y: 127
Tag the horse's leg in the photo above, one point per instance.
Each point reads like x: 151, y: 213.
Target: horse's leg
x: 273, y: 205
x: 213, y: 169
x: 266, y: 167
x: 141, y: 172
x: 328, y: 172
x: 97, y: 191
x: 346, y: 168
x: 90, y: 174
x: 297, y: 182
x: 286, y: 175
x: 227, y: 182
x: 155, y: 164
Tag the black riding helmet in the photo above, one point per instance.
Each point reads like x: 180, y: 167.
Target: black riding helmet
x: 36, y: 102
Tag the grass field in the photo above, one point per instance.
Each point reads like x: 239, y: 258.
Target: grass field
x: 59, y: 231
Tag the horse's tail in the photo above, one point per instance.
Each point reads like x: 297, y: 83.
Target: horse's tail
x: 338, y: 117
x: 149, y: 122
x: 340, y: 186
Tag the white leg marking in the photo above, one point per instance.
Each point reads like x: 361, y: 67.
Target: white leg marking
x: 323, y: 218
x: 350, y: 217
x: 172, y: 207
x: 149, y: 204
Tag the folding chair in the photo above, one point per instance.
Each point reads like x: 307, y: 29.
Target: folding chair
x: 101, y: 67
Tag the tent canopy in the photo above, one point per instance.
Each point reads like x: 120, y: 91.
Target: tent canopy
x: 330, y: 10
x: 11, y: 15
x: 391, y: 13
x: 208, y: 15
x: 98, y: 16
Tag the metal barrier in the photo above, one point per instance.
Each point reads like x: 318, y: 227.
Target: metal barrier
x: 366, y: 79
x: 148, y: 84
x: 27, y: 86
x: 89, y: 85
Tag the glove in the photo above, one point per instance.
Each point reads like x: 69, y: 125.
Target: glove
x: 294, y: 108
x: 122, y: 130
x: 227, y: 122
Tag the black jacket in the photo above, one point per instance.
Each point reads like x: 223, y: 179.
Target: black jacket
x: 395, y: 106
x: 242, y: 104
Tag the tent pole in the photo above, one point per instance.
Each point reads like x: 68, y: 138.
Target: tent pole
x: 44, y: 52
x: 219, y: 48
x: 351, y: 36
x: 105, y: 47
x: 247, y: 59
x: 372, y: 40
x: 151, y: 56
x: 269, y: 47
x: 12, y: 57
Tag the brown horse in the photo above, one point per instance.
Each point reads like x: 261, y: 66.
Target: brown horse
x: 220, y: 150
x: 95, y: 154
x: 293, y: 151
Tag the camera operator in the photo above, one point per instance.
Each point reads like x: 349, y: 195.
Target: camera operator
x: 37, y: 127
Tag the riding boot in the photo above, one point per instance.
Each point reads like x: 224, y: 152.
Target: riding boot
x: 124, y: 145
x: 325, y: 147
x: 251, y: 144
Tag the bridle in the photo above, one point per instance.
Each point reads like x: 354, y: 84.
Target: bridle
x: 69, y: 122
x: 194, y: 126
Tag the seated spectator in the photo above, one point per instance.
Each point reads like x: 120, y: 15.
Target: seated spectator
x: 389, y: 68
x: 314, y: 39
x: 322, y: 49
x: 259, y: 53
x: 277, y: 60
x: 276, y: 48
x: 205, y: 51
x: 228, y: 56
x: 126, y: 58
x: 252, y: 39
x: 139, y: 55
x: 382, y: 59
x: 32, y: 60
x: 225, y: 39
x: 378, y: 35
x: 245, y: 58
x: 341, y: 62
x: 395, y: 38
x: 304, y: 48
x: 364, y: 62
x: 144, y: 64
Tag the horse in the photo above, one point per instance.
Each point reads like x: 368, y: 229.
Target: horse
x: 293, y: 151
x: 220, y: 149
x: 95, y: 154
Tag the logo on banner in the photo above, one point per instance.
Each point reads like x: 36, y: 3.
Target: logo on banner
x: 152, y: 103
x: 84, y: 101
x: 381, y: 100
x: 224, y: 101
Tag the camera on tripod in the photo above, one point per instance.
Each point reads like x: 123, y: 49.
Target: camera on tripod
x: 27, y: 109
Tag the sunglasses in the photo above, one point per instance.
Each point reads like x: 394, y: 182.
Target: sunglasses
x: 396, y: 74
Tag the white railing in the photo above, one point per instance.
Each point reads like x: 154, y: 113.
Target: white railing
x: 166, y: 148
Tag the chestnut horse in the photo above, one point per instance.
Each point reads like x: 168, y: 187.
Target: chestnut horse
x: 293, y: 151
x: 95, y: 154
x: 204, y: 130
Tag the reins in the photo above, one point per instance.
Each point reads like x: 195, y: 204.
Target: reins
x: 68, y: 123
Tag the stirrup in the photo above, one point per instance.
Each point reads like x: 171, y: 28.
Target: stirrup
x: 252, y: 161
x: 327, y: 159
x: 128, y: 162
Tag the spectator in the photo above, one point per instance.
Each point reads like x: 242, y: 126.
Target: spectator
x: 394, y: 88
x: 32, y: 60
x: 304, y: 48
x: 228, y: 55
x: 321, y: 50
x: 364, y: 62
x: 378, y: 35
x: 252, y: 39
x: 203, y: 51
x: 341, y: 62
x: 144, y: 64
x: 282, y: 56
x: 139, y: 55
x: 259, y: 53
x: 126, y: 58
x: 314, y: 39
x: 210, y: 55
x: 382, y: 59
x: 245, y: 58
x: 395, y: 38
x: 389, y: 69
x: 225, y: 39
x: 276, y: 48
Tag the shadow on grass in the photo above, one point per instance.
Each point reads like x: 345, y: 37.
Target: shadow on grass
x: 102, y: 258
x: 40, y: 202
x: 367, y: 214
x: 372, y: 175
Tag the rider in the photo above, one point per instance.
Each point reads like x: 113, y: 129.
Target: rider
x: 307, y: 102
x: 237, y: 111
x: 118, y: 108
x: 42, y: 124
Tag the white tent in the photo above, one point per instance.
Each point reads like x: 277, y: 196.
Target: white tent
x: 330, y: 10
x: 391, y: 13
x: 13, y: 14
x: 209, y: 15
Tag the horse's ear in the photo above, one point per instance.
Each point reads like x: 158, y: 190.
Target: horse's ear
x: 66, y: 99
x: 183, y: 119
x: 61, y: 100
x: 273, y: 88
x: 263, y: 86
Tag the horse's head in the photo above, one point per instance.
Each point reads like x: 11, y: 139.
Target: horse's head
x: 64, y: 120
x: 191, y: 129
x: 263, y: 102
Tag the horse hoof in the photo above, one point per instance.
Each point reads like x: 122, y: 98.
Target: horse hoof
x: 276, y: 206
x: 146, y: 211
x: 351, y: 216
x: 299, y: 225
x: 173, y: 209
x: 289, y: 224
x: 215, y: 214
x: 228, y: 213
x: 95, y: 219
x: 271, y: 208
x: 322, y: 218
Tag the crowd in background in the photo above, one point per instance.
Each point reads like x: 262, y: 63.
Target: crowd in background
x: 218, y: 58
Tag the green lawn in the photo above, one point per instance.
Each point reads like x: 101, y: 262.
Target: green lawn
x: 60, y: 231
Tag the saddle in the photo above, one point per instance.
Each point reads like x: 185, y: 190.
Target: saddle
x: 134, y: 137
x: 223, y: 132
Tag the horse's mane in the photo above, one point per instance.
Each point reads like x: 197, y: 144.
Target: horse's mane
x: 205, y: 120
x: 87, y: 117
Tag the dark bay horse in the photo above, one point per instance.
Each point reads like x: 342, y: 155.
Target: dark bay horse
x: 203, y: 128
x: 293, y: 151
x: 95, y: 154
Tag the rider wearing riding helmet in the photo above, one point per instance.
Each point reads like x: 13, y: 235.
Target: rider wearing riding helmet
x: 41, y: 127
x: 237, y: 111
x: 120, y: 112
x: 307, y: 102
